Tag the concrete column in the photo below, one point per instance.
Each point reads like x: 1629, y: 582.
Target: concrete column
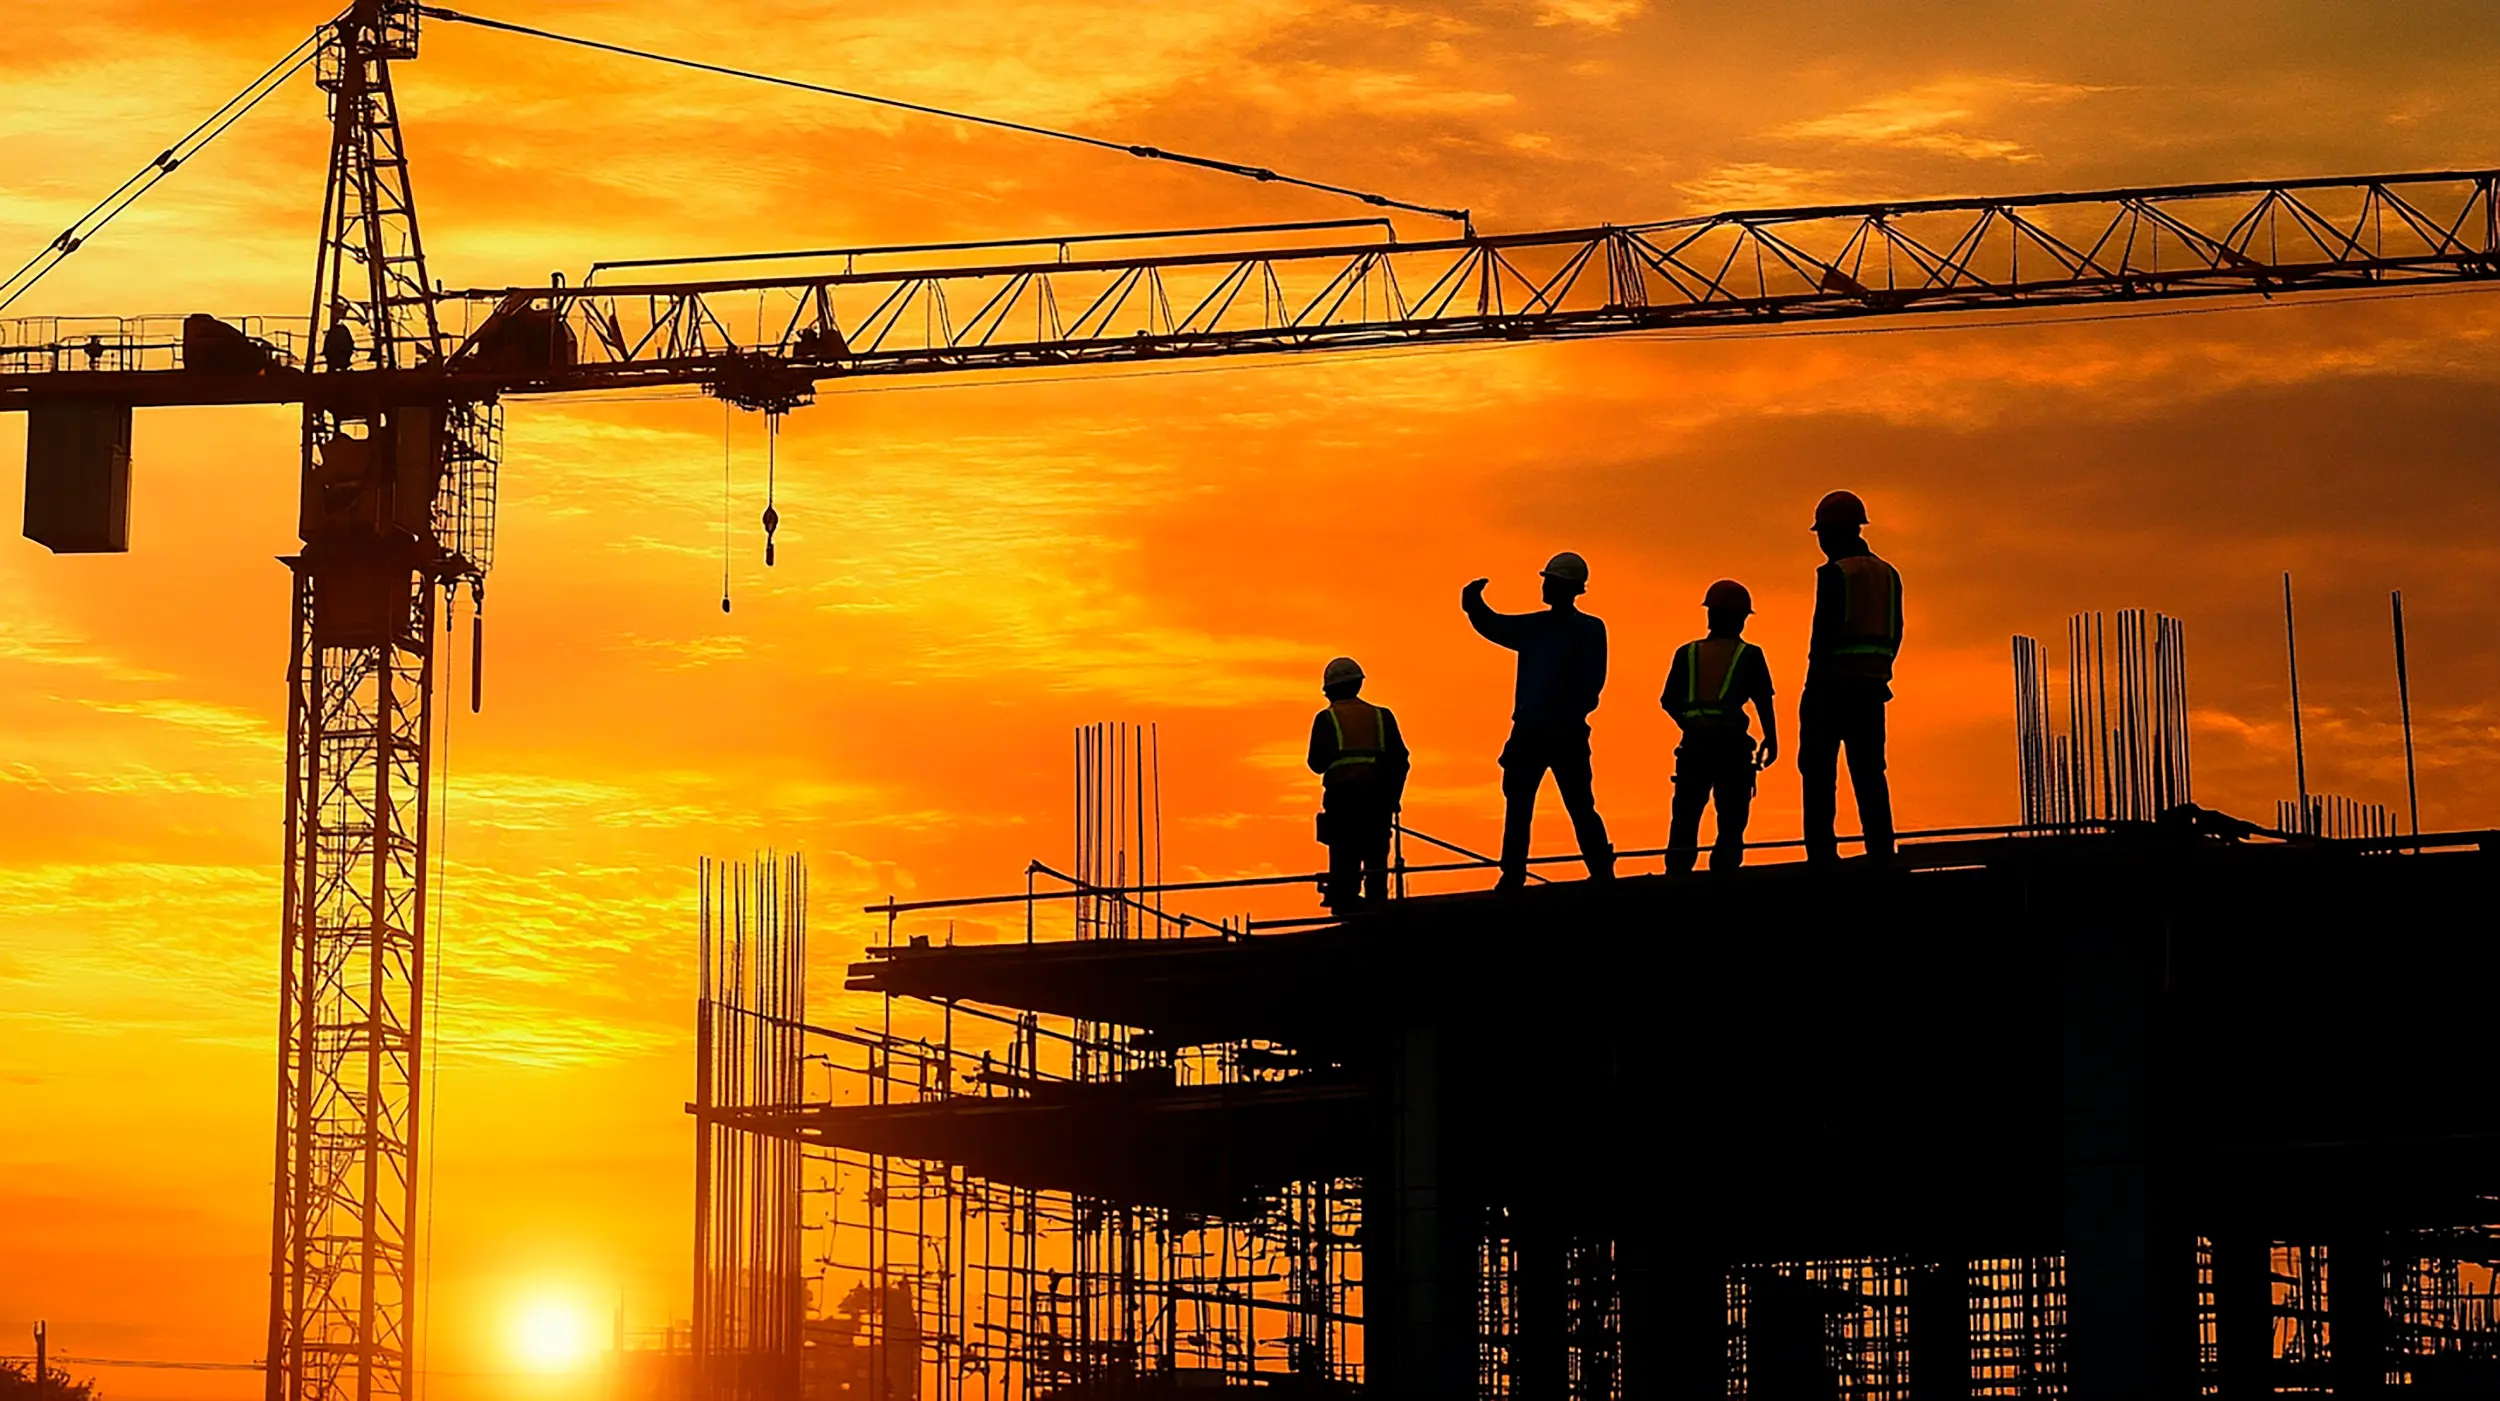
x: 2356, y: 1313
x: 1940, y: 1333
x: 1418, y: 1306
x: 1674, y: 1315
x: 2110, y: 1276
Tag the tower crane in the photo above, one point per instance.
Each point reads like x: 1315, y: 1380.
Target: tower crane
x: 402, y: 384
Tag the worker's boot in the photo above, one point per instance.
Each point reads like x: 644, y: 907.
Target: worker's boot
x: 1601, y: 861
x: 1514, y: 879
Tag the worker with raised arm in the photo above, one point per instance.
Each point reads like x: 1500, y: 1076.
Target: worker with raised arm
x: 1362, y: 763
x: 1562, y: 667
x: 1857, y: 633
x: 1708, y: 686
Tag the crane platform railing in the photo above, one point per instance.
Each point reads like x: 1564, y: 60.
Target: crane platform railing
x: 764, y: 341
x: 1923, y: 848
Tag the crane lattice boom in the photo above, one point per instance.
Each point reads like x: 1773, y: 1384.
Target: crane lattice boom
x: 869, y: 313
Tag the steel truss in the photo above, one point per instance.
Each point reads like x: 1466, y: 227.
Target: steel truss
x: 398, y: 499
x: 764, y: 341
x: 352, y: 1032
x: 1745, y: 269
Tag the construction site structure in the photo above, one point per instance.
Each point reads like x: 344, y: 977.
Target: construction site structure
x: 2135, y: 1110
x: 2078, y: 1109
x: 402, y: 381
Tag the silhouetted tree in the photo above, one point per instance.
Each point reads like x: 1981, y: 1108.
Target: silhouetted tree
x: 17, y: 1383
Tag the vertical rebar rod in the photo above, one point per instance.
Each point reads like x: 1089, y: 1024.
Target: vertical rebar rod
x: 2100, y: 713
x: 2026, y: 731
x: 2079, y: 792
x: 2404, y: 708
x: 2300, y: 749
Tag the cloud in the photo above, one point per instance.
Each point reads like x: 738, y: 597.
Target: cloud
x: 1936, y: 117
x: 1596, y: 14
x: 1756, y: 185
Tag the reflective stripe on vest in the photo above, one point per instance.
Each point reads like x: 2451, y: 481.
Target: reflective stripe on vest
x: 1719, y: 706
x: 1364, y: 740
x: 1870, y: 617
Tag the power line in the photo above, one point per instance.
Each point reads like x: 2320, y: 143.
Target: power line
x: 146, y: 1363
x: 159, y: 1364
x: 1153, y: 153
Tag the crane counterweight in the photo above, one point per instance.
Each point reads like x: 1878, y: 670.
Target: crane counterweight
x: 78, y: 477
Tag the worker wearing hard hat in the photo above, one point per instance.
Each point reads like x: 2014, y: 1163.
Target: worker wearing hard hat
x: 1857, y: 633
x: 1562, y: 667
x: 1362, y: 763
x: 1708, y: 686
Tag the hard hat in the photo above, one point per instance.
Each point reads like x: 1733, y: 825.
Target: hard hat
x: 1341, y: 672
x: 1727, y: 593
x: 1839, y: 508
x: 1568, y: 567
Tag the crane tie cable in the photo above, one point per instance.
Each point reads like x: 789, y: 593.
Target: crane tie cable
x: 1153, y: 153
x: 86, y: 226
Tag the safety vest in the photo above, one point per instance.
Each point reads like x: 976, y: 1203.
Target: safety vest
x: 1710, y: 668
x: 1363, y: 731
x: 1870, y: 632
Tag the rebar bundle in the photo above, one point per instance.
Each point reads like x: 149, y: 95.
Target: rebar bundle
x: 2332, y: 815
x: 2123, y: 757
x: 749, y: 1301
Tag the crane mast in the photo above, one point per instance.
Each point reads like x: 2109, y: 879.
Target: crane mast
x: 384, y: 530
x: 402, y: 439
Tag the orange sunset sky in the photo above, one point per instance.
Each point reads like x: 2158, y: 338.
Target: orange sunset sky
x: 970, y: 568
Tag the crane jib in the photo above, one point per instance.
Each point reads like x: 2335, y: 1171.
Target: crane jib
x: 761, y: 341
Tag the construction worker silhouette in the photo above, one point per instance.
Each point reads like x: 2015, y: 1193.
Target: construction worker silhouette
x: 1857, y: 633
x: 1562, y: 667
x: 1708, y: 685
x: 1362, y: 763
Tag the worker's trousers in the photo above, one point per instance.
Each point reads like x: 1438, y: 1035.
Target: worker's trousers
x: 1711, y: 766
x: 1833, y: 714
x: 1531, y: 752
x: 1355, y: 819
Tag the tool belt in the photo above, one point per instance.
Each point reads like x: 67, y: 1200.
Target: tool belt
x: 1712, y: 757
x: 1351, y: 816
x: 1710, y: 745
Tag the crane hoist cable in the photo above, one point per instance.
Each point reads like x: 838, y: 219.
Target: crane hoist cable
x: 1260, y: 173
x: 86, y: 226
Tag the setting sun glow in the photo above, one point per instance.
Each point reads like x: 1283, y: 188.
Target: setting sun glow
x: 551, y: 1333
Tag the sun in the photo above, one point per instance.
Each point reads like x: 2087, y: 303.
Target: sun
x: 552, y: 1333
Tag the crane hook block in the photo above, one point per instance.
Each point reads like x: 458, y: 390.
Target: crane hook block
x: 772, y: 522
x: 763, y: 383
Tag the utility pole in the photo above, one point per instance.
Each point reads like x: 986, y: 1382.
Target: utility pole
x: 2404, y: 706
x: 43, y: 1356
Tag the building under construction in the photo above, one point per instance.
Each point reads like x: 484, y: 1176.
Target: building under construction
x: 2099, y: 1108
